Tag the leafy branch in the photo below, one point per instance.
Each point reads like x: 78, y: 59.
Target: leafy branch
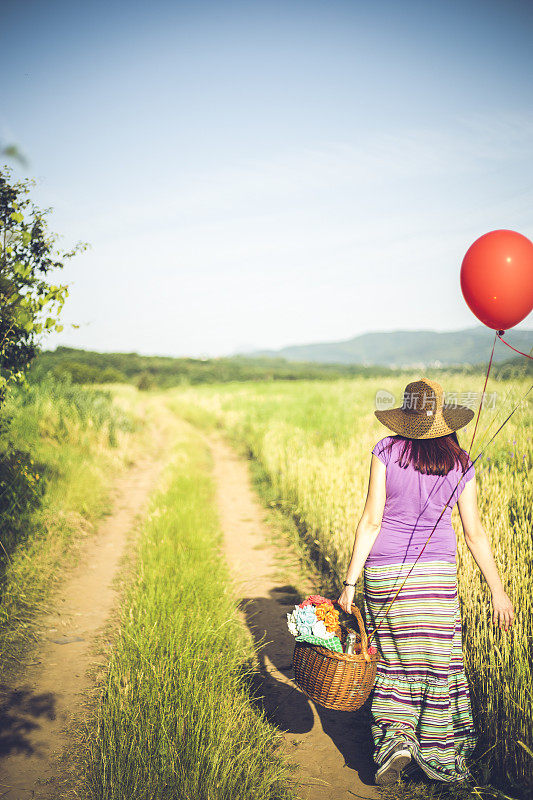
x: 30, y: 305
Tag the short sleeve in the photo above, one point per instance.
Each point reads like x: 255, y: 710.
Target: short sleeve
x: 382, y: 451
x: 463, y: 478
x: 470, y: 472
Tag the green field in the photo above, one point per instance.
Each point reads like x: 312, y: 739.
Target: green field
x: 176, y: 688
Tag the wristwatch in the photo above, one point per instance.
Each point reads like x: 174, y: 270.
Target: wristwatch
x: 348, y: 584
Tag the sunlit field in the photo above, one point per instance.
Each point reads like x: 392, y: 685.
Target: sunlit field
x: 314, y: 442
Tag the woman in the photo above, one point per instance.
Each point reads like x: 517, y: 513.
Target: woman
x: 420, y: 703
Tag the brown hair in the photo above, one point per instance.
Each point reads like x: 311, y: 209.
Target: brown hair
x: 435, y: 456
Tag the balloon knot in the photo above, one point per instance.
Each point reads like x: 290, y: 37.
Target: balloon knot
x: 500, y: 333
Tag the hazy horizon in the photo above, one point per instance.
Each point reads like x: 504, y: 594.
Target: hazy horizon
x: 508, y: 336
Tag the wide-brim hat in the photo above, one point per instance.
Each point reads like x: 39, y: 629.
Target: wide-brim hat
x: 423, y: 414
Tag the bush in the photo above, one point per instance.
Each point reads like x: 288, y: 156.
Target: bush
x: 112, y: 375
x: 145, y: 381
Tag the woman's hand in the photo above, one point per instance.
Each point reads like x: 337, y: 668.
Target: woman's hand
x: 502, y: 610
x: 345, y: 599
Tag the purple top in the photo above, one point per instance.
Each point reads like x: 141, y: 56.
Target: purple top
x: 413, y: 504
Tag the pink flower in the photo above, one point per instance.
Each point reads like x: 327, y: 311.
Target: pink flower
x: 317, y: 600
x: 372, y: 650
x: 305, y: 603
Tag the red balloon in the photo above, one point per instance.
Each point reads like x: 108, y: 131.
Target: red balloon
x: 497, y: 278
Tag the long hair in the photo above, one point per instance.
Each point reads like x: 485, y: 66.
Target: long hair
x: 435, y: 456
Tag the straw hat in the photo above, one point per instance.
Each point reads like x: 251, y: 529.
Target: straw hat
x: 423, y: 415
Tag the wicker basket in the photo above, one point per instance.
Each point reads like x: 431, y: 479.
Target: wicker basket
x: 336, y: 680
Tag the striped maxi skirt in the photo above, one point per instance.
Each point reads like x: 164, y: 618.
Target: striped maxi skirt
x: 421, y: 692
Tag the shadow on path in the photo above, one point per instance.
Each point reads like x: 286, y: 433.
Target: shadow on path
x: 20, y: 710
x: 289, y: 708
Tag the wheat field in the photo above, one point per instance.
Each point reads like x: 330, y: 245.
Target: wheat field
x: 313, y: 439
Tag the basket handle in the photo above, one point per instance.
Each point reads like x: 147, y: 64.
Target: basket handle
x: 364, y: 638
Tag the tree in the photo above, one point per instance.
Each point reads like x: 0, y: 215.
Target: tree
x: 30, y: 306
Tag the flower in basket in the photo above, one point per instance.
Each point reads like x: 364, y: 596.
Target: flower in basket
x: 328, y: 615
x: 331, y: 620
x: 304, y: 622
x: 372, y: 650
x: 301, y: 620
x: 318, y: 600
x: 292, y: 626
x: 315, y: 623
x: 319, y: 630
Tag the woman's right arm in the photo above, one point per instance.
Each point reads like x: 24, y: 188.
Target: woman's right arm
x: 478, y: 543
x: 367, y: 530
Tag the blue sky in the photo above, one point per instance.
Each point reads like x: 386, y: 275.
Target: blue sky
x: 268, y: 173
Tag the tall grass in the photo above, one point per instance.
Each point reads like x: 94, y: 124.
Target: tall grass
x: 58, y: 446
x: 175, y: 719
x: 314, y: 442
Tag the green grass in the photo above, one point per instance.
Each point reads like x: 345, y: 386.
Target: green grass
x: 411, y: 790
x: 59, y: 445
x: 175, y: 719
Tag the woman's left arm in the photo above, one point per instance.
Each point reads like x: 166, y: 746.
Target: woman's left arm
x: 478, y: 543
x: 367, y: 530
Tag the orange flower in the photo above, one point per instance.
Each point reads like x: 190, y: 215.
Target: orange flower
x: 328, y: 615
x: 331, y: 619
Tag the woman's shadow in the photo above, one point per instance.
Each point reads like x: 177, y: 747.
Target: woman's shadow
x: 286, y: 706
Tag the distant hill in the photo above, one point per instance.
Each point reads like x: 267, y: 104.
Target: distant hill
x: 87, y: 366
x: 408, y: 349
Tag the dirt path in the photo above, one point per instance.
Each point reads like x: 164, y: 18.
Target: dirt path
x: 331, y: 748
x: 47, y: 698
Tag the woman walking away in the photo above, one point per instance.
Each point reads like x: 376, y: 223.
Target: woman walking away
x: 420, y: 703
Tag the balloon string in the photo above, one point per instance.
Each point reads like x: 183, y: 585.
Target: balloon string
x: 483, y: 394
x: 499, y: 335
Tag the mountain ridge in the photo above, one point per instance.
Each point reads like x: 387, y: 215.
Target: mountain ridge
x: 407, y: 348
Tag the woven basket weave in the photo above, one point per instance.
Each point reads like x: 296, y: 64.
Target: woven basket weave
x: 336, y: 680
